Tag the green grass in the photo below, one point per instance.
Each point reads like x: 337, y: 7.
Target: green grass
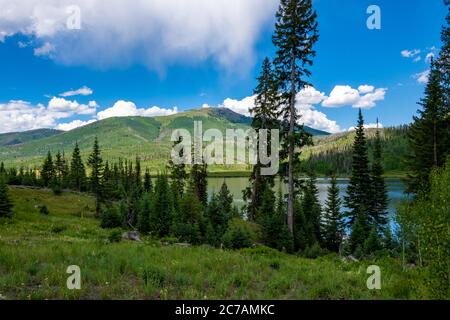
x: 35, y: 251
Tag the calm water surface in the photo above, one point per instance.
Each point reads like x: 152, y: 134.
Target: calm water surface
x: 236, y: 185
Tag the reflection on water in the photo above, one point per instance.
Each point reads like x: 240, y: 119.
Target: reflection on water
x: 236, y: 185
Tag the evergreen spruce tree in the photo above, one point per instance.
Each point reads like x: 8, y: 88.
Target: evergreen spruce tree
x: 333, y: 224
x: 199, y: 182
x: 61, y: 170
x: 77, y: 174
x: 358, y: 235
x: 138, y: 177
x: 48, y: 171
x: 225, y: 199
x: 358, y: 199
x: 6, y: 205
x: 143, y: 219
x: 188, y: 222
x: 95, y: 162
x: 178, y: 174
x: 148, y: 184
x: 65, y: 171
x: 265, y: 116
x: 295, y: 35
x: 162, y: 210
x: 373, y: 242
x: 311, y: 210
x: 2, y: 169
x: 135, y: 192
x: 272, y: 218
x: 428, y: 136
x: 443, y: 62
x: 379, y: 205
x: 216, y: 226
x: 109, y: 184
x: 59, y: 166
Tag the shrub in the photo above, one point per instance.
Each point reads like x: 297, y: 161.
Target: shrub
x: 314, y: 251
x: 57, y: 189
x: 58, y: 229
x: 427, y: 220
x: 154, y: 276
x: 188, y: 221
x: 186, y: 232
x: 111, y: 218
x: 169, y: 240
x: 240, y: 234
x: 44, y: 210
x: 115, y: 236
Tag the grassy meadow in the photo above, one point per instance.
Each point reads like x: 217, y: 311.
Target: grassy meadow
x: 36, y: 249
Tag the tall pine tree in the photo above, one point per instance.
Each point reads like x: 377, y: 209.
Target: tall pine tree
x: 199, y: 182
x: 2, y: 168
x: 162, y: 210
x: 265, y: 116
x: 443, y: 62
x: 333, y: 222
x: 6, y: 205
x: 358, y: 200
x: 307, y: 228
x: 77, y: 174
x: 178, y: 174
x: 95, y: 162
x: 428, y: 136
x: 295, y: 35
x: 148, y: 184
x: 379, y: 205
x: 48, y: 170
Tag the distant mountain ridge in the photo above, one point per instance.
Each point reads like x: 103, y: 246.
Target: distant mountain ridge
x: 14, y: 138
x: 124, y: 137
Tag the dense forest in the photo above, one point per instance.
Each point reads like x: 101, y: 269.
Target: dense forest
x: 334, y: 153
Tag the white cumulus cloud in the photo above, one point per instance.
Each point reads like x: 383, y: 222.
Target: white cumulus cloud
x: 154, y: 33
x: 240, y: 106
x: 422, y: 77
x: 45, y: 50
x: 83, y: 91
x: 127, y: 108
x: 73, y: 125
x: 369, y: 126
x: 306, y: 99
x: 366, y: 88
x: 410, y: 53
x: 364, y: 97
x: 63, y: 105
x: 18, y: 115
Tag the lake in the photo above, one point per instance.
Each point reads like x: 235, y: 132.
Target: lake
x: 236, y: 184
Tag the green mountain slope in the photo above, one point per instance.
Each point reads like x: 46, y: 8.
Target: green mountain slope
x: 334, y: 153
x: 126, y: 138
x: 149, y: 138
x: 14, y: 138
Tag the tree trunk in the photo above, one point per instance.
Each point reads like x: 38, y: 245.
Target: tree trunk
x: 291, y: 149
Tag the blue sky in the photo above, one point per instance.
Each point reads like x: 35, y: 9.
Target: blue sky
x: 163, y: 57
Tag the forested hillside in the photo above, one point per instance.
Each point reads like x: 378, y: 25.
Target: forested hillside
x: 15, y: 138
x: 334, y: 153
x: 122, y: 138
